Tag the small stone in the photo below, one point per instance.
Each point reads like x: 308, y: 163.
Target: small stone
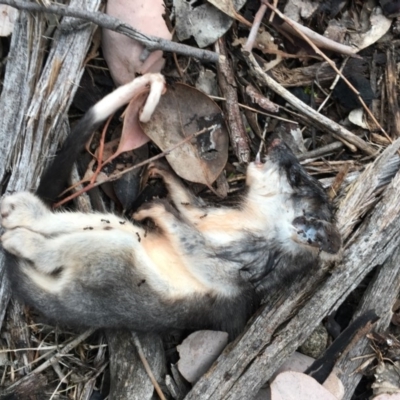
x: 198, y: 351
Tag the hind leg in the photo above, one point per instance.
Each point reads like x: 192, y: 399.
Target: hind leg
x: 69, y: 251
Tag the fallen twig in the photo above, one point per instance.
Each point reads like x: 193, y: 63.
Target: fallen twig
x: 146, y: 365
x: 333, y: 127
x: 321, y: 151
x: 254, y: 29
x: 391, y: 91
x: 65, y: 350
x: 151, y: 43
x: 299, y: 30
x: 118, y: 174
x: 227, y: 84
x: 297, y: 27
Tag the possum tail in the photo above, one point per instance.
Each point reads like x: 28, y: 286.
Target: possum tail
x: 55, y: 177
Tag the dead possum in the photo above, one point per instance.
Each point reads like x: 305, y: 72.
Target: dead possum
x: 201, y: 268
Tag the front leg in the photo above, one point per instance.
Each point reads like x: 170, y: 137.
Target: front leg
x: 190, y: 206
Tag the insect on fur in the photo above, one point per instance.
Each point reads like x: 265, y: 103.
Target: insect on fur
x: 201, y: 268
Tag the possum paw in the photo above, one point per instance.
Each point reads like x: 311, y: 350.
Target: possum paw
x: 22, y: 242
x: 21, y: 209
x: 154, y: 210
x: 159, y: 169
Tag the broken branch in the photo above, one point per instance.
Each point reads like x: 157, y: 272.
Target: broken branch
x: 297, y: 27
x: 333, y: 127
x: 151, y: 43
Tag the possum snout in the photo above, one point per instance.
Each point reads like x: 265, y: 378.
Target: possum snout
x: 317, y: 233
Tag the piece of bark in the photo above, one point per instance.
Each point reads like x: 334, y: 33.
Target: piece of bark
x: 19, y: 337
x: 24, y: 64
x: 27, y: 43
x: 129, y: 379
x: 392, y: 95
x: 361, y: 197
x: 227, y: 84
x: 303, y: 76
x: 380, y: 296
x: 30, y: 389
x: 34, y: 101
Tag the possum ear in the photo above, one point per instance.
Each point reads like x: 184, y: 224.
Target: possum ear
x: 317, y: 233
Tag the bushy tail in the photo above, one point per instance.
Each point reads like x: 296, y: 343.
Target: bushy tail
x: 55, y: 177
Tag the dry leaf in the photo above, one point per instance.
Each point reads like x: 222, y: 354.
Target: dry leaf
x: 141, y: 107
x: 183, y: 111
x: 230, y: 7
x: 357, y: 117
x: 379, y: 26
x: 298, y: 9
x: 265, y: 43
x: 132, y: 135
x: 204, y: 22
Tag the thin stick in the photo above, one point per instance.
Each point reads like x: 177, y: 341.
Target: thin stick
x: 227, y: 86
x: 151, y: 43
x: 65, y: 350
x: 334, y: 83
x: 262, y: 142
x: 256, y: 110
x: 146, y: 365
x: 321, y: 151
x: 336, y: 130
x: 254, y: 29
x: 295, y: 28
x: 141, y: 164
x: 330, y: 62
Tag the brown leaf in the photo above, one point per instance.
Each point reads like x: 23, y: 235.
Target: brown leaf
x: 132, y: 136
x: 181, y: 112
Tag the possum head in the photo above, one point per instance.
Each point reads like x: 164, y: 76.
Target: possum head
x: 288, y: 193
